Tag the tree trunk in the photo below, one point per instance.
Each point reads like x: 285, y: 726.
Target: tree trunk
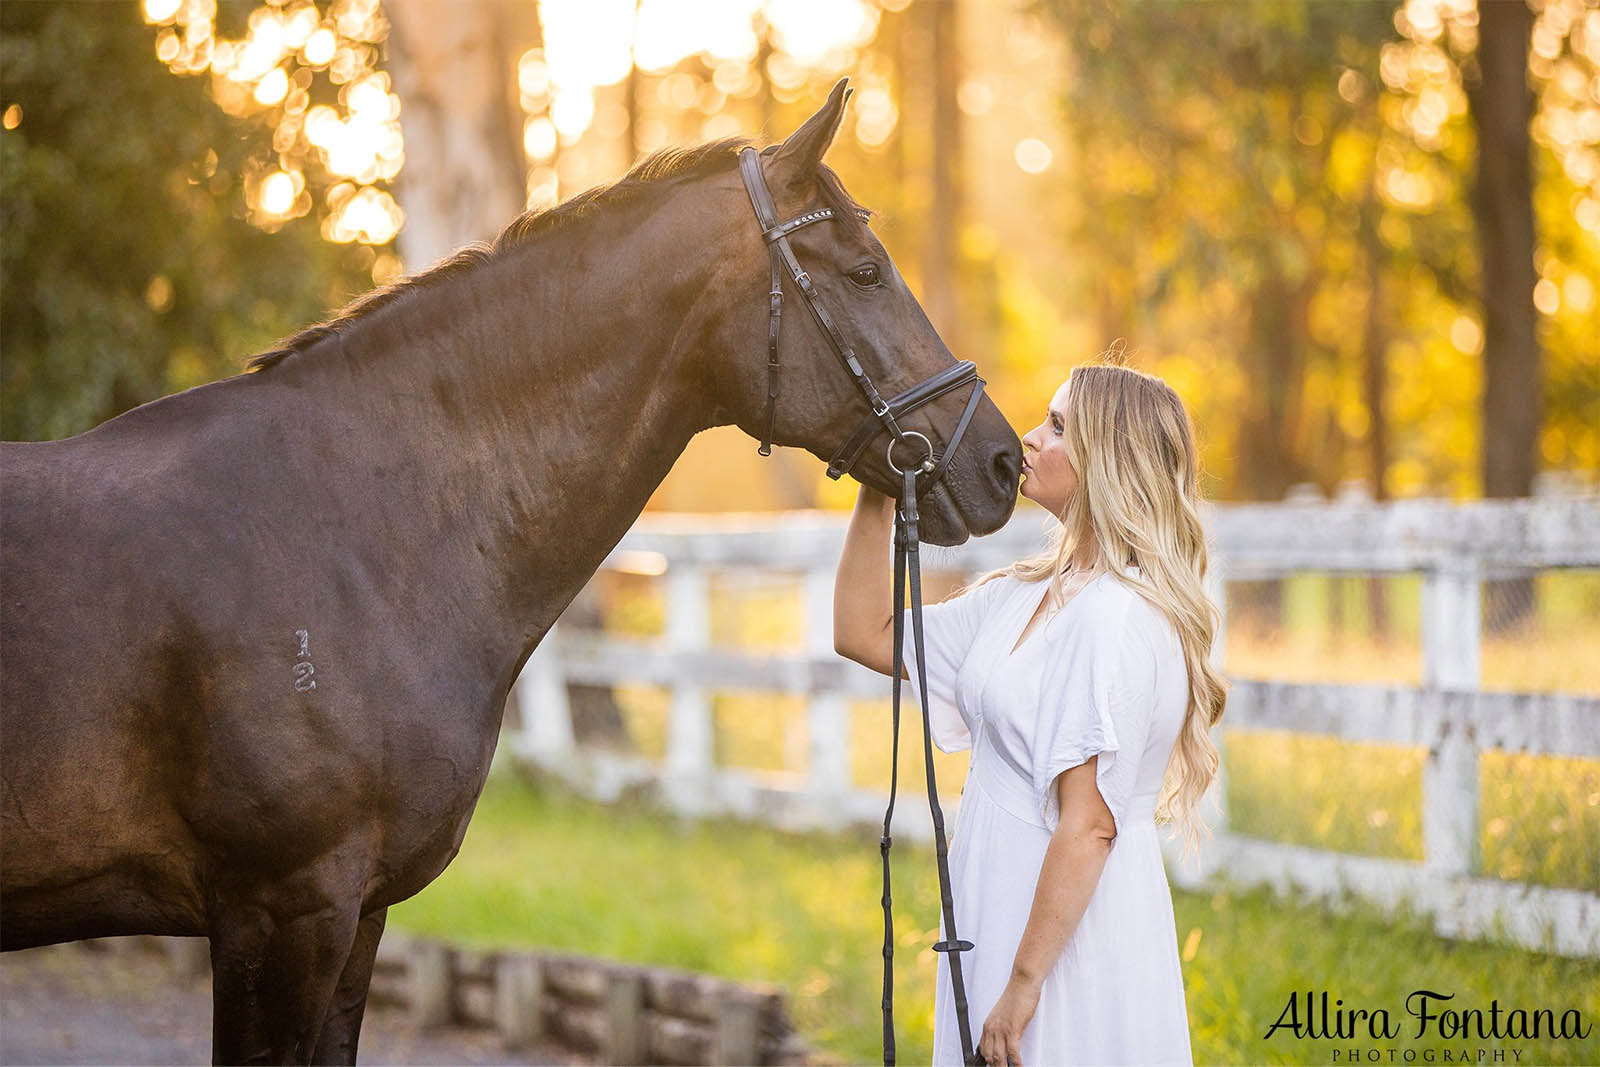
x: 769, y: 103
x: 1502, y: 204
x: 454, y: 68
x: 939, y: 272
x: 1501, y: 103
x: 1374, y: 366
x: 1270, y: 464
x: 632, y: 88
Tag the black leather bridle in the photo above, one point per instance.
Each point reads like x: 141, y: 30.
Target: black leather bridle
x: 932, y: 466
x: 885, y: 413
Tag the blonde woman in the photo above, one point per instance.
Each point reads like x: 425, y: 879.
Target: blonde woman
x: 1080, y: 679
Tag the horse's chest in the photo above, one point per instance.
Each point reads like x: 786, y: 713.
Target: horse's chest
x: 436, y: 777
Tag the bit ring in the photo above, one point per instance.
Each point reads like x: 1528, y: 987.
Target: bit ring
x: 927, y: 462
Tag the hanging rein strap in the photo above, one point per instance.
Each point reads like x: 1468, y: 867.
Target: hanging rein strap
x: 908, y: 566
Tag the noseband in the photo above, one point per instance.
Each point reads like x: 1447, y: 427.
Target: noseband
x: 933, y: 465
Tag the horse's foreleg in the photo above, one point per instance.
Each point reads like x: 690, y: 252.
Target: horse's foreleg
x: 273, y: 981
x: 342, y: 1029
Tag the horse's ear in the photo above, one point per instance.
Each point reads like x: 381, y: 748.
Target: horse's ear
x: 796, y: 160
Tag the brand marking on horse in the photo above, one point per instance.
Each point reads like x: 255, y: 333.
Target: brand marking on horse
x: 303, y: 670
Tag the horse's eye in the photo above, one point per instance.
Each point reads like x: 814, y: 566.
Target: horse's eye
x: 866, y: 276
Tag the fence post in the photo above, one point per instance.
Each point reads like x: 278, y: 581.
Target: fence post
x: 625, y: 1043
x: 691, y: 753
x: 519, y: 999
x: 432, y: 977
x: 737, y: 1037
x: 1216, y: 587
x: 827, y: 714
x: 545, y: 718
x: 1451, y: 660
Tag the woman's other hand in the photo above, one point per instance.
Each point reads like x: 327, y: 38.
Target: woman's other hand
x: 1001, y: 1042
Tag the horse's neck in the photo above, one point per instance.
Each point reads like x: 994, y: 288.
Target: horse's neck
x: 521, y: 420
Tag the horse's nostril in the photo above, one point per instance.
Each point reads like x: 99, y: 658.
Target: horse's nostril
x: 1007, y: 467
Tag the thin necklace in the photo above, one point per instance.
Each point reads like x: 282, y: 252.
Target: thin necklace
x: 1064, y: 595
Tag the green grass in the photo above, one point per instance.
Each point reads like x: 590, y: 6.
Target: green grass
x: 541, y: 867
x: 1539, y: 819
x: 1346, y: 797
x: 1539, y: 816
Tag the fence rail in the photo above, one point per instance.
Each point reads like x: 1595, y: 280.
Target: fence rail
x: 1455, y: 547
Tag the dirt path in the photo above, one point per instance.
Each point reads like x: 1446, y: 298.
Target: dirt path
x: 82, y: 1004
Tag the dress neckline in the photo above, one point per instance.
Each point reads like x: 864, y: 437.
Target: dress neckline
x: 1019, y: 642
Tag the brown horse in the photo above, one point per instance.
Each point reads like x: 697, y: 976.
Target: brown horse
x: 258, y: 636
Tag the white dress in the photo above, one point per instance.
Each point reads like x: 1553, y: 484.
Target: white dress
x: 1104, y: 675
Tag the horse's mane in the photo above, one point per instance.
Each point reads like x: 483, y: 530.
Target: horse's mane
x: 654, y: 170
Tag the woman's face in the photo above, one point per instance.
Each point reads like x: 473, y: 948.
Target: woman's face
x: 1047, y: 478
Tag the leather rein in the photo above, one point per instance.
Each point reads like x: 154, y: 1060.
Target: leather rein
x: 884, y: 417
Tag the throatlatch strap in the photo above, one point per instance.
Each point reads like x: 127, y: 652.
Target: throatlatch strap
x: 908, y: 570
x: 773, y: 324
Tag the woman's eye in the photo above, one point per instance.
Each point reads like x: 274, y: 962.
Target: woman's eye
x: 866, y: 276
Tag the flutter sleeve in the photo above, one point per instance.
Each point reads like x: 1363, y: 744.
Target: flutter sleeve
x: 1098, y: 700
x: 949, y: 631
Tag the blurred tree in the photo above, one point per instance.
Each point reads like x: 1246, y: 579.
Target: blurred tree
x: 1206, y: 203
x: 130, y: 270
x: 1316, y: 173
x: 1502, y: 108
x: 1526, y: 75
x: 1521, y: 82
x: 455, y: 67
x: 946, y: 163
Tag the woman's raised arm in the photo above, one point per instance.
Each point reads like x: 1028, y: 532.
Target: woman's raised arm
x: 863, y: 606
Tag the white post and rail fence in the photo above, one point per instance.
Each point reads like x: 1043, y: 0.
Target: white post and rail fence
x: 1454, y: 548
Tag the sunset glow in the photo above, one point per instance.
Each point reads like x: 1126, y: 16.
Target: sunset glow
x: 593, y: 43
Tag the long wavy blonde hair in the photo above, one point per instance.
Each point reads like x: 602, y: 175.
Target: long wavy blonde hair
x: 1128, y: 436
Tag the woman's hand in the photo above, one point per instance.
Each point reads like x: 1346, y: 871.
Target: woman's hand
x: 1001, y: 1043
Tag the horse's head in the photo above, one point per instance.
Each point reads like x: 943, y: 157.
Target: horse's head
x: 821, y: 402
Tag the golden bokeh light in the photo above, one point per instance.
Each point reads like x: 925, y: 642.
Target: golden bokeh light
x: 273, y: 87
x: 1033, y: 156
x: 975, y: 97
x: 876, y: 116
x: 276, y: 196
x: 1547, y: 296
x: 161, y: 10
x: 319, y: 47
x: 1578, y: 293
x: 270, y: 72
x: 292, y: 51
x: 539, y: 138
